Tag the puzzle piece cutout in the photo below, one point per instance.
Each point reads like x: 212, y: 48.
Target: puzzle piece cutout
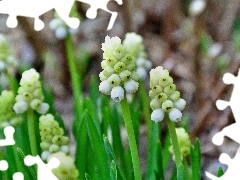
x: 4, y: 167
x: 8, y: 141
x: 231, y: 131
x: 232, y: 172
x: 101, y: 4
x: 36, y: 8
x: 235, y: 98
x: 44, y: 170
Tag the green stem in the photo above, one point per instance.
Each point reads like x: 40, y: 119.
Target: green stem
x: 185, y: 165
x: 75, y: 78
x: 131, y: 138
x: 31, y: 132
x: 173, y: 135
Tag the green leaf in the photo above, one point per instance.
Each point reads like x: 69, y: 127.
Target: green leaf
x: 195, y: 156
x: 152, y: 151
x: 81, y: 146
x: 160, y: 171
x: 113, y: 171
x: 100, y: 155
x: 112, y: 156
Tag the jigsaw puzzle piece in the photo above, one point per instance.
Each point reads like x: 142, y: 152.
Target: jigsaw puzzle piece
x: 3, y: 165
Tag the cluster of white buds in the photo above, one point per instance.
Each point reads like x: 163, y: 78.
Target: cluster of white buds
x: 60, y: 28
x: 165, y: 97
x: 7, y: 116
x: 67, y: 169
x: 134, y: 46
x: 6, y: 58
x: 30, y: 94
x: 52, y: 137
x: 118, y: 73
x: 183, y: 142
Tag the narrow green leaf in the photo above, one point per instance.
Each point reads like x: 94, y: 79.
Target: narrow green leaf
x: 98, y: 149
x: 195, y: 156
x: 160, y: 171
x: 165, y: 152
x: 81, y: 146
x: 112, y: 156
x: 152, y: 151
x: 113, y: 171
x: 180, y: 172
x: 87, y: 176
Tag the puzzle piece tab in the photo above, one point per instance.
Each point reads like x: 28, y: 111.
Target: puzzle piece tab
x: 8, y: 132
x: 3, y: 165
x: 44, y: 170
x: 101, y: 4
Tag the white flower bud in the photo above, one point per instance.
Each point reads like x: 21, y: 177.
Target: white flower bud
x: 53, y: 24
x: 114, y: 80
x: 117, y: 93
x: 43, y: 108
x: 175, y: 96
x: 135, y: 76
x: 105, y: 87
x: 155, y: 104
x: 148, y: 64
x: 131, y: 86
x: 197, y: 7
x: 157, y: 115
x: 61, y: 32
x: 142, y: 73
x: 45, y: 155
x: 102, y: 77
x: 140, y: 61
x: 2, y: 66
x: 175, y: 115
x: 65, y: 149
x: 167, y: 105
x: 35, y: 103
x: 20, y: 107
x: 180, y: 104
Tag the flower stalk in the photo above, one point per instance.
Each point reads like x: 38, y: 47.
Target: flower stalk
x: 131, y: 138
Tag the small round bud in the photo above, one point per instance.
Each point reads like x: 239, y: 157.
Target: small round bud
x: 127, y: 59
x: 169, y: 89
x: 175, y: 115
x: 175, y: 96
x: 119, y: 67
x: 54, y: 148
x: 43, y: 108
x: 111, y: 61
x: 125, y: 75
x: 162, y: 97
x: 180, y: 104
x: 167, y: 106
x: 105, y: 87
x: 108, y: 71
x: 157, y: 115
x: 20, y: 107
x: 155, y: 104
x: 131, y: 86
x: 45, y: 155
x: 131, y: 67
x: 114, y: 80
x: 117, y: 93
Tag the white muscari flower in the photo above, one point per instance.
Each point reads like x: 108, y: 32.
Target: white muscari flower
x: 131, y: 86
x: 147, y: 64
x: 105, y: 87
x: 175, y: 115
x: 43, y: 108
x: 61, y: 32
x: 45, y: 155
x: 141, y: 72
x: 117, y: 93
x: 164, y: 94
x: 20, y: 107
x: 180, y: 104
x: 157, y: 115
x: 118, y: 76
x: 140, y: 61
x: 65, y: 149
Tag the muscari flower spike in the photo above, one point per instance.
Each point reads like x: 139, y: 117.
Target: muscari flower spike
x: 118, y: 76
x: 52, y: 137
x: 183, y: 142
x: 7, y: 116
x: 164, y: 95
x: 60, y: 28
x: 134, y: 46
x: 6, y: 57
x: 30, y: 94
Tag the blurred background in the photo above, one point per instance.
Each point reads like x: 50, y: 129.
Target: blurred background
x: 196, y: 40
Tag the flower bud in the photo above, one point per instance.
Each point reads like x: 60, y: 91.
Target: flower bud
x: 117, y: 93
x: 157, y: 115
x: 167, y: 105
